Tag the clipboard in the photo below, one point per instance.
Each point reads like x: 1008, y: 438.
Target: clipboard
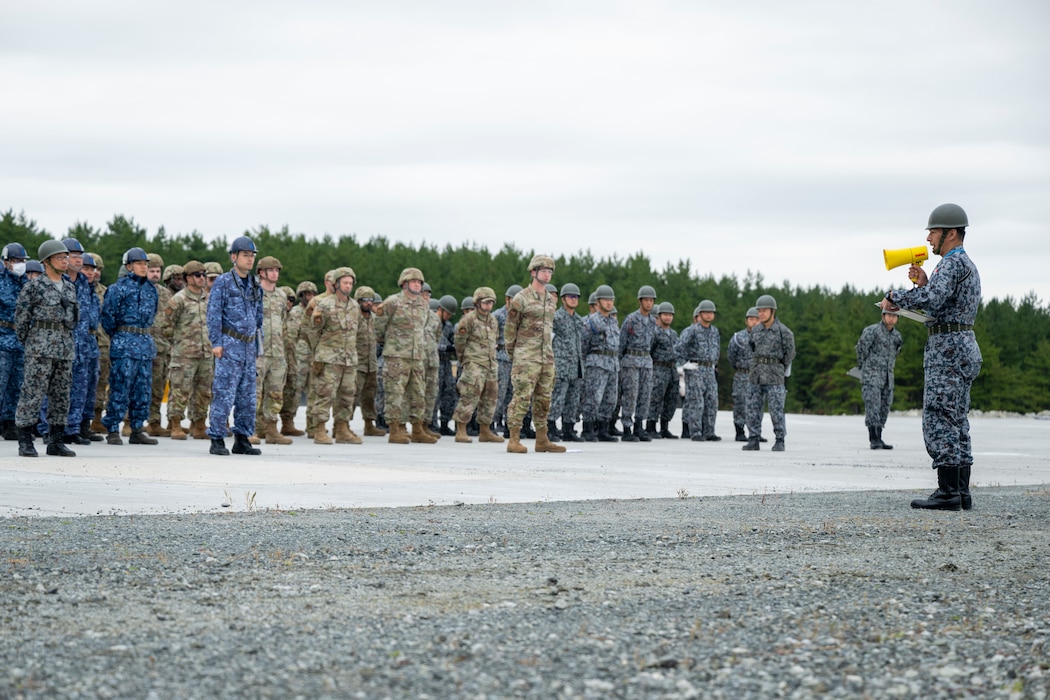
x: 919, y: 316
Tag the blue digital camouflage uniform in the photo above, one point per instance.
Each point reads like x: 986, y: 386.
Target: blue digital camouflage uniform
x: 568, y: 367
x: 127, y: 315
x: 601, y: 348
x: 772, y: 350
x: 701, y: 346
x: 503, y: 360
x: 234, y: 322
x: 877, y: 352
x: 952, y: 359
x: 85, y: 366
x: 448, y: 397
x: 11, y: 354
x: 739, y: 355
x: 664, y: 396
x: 636, y: 367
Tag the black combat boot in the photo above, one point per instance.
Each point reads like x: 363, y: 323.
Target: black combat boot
x: 568, y: 433
x: 665, y: 430
x: 87, y: 433
x: 642, y: 433
x: 964, y: 488
x: 553, y: 435
x: 218, y: 447
x: 713, y: 438
x: 752, y: 444
x: 56, y: 446
x: 947, y: 496
x: 473, y: 427
x: 590, y: 434
x: 882, y: 444
x: 241, y: 446
x: 873, y: 439
x: 613, y: 430
x: 740, y: 437
x: 75, y: 439
x: 685, y: 430
x: 526, y: 427
x: 445, y: 430
x: 25, y: 442
x: 10, y: 432
x: 603, y: 431
x: 629, y: 434
x: 139, y: 437
x: 650, y: 427
x: 778, y: 446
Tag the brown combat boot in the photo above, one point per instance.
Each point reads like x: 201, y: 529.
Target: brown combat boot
x: 371, y: 430
x: 344, y: 435
x: 461, y: 432
x: 288, y: 427
x: 486, y: 435
x: 126, y: 430
x: 257, y: 438
x: 398, y: 434
x: 515, y: 442
x: 430, y: 432
x: 153, y: 429
x: 273, y: 437
x: 96, y: 423
x: 543, y: 444
x: 321, y: 436
x: 177, y: 433
x: 198, y: 431
x: 420, y: 433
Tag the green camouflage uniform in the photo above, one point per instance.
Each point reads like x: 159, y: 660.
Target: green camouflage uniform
x: 161, y: 360
x: 183, y: 323
x: 401, y: 328
x: 367, y: 366
x: 478, y: 384
x: 270, y: 364
x: 529, y: 333
x: 297, y: 366
x: 334, y: 381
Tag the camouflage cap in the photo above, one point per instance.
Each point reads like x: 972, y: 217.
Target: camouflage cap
x: 341, y: 272
x: 213, y: 269
x: 268, y: 263
x: 364, y: 292
x: 329, y: 276
x: 98, y: 260
x: 484, y: 294
x: 541, y: 261
x: 288, y: 292
x: 193, y: 266
x: 170, y: 271
x: 410, y: 273
x: 306, y: 286
x: 154, y: 260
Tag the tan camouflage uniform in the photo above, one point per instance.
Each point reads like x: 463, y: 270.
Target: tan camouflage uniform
x: 335, y: 322
x: 401, y: 327
x: 183, y: 324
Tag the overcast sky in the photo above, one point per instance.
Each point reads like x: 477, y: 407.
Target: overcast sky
x: 795, y: 139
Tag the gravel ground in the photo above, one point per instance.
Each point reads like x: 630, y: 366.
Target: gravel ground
x: 848, y: 595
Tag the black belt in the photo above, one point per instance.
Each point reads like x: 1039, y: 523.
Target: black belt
x: 746, y: 370
x: 607, y: 353
x: 238, y: 336
x: 938, y: 328
x: 764, y: 360
x: 7, y: 324
x: 50, y: 325
x: 137, y: 330
x: 636, y: 353
x: 703, y: 363
x: 664, y: 363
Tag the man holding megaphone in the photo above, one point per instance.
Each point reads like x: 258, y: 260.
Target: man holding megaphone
x: 952, y: 359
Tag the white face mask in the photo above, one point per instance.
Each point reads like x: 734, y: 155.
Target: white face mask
x: 18, y: 269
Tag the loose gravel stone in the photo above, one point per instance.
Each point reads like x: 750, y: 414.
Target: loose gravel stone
x: 832, y: 595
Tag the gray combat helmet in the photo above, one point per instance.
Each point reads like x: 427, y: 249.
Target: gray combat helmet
x: 604, y: 291
x: 49, y: 248
x: 592, y: 299
x: 434, y: 304
x: 948, y: 216
x: 551, y: 289
x: 448, y: 303
x: 512, y: 290
x: 765, y: 302
x: 751, y: 313
x: 569, y: 288
x: 467, y: 304
x: 706, y: 305
x: 646, y: 292
x: 666, y: 308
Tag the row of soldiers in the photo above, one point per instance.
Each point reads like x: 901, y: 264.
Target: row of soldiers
x: 165, y: 328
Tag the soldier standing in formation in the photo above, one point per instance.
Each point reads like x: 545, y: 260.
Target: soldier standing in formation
x: 335, y: 322
x: 234, y: 322
x: 951, y: 297
x: 636, y: 366
x: 128, y: 312
x: 475, y: 341
x: 503, y: 400
x: 664, y: 396
x: 739, y: 355
x: 773, y: 349
x: 401, y: 325
x: 600, y: 347
x: 877, y: 351
x: 12, y: 357
x: 367, y: 361
x: 85, y: 364
x: 162, y: 358
x: 297, y: 358
x: 184, y: 325
x: 446, y: 402
x: 528, y: 335
x: 102, y: 387
x: 270, y: 366
x: 698, y: 350
x: 45, y: 316
x: 568, y: 365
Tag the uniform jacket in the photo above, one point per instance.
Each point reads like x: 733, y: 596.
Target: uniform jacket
x: 43, y: 301
x: 601, y: 342
x: 475, y: 341
x: 275, y: 311
x: 739, y: 350
x: 164, y: 296
x: 87, y: 326
x: 636, y: 340
x: 235, y: 303
x: 184, y: 324
x: 500, y: 315
x: 529, y: 332
x: 401, y: 325
x: 877, y: 352
x: 367, y: 360
x: 568, y: 345
x: 433, y: 337
x: 10, y: 287
x: 699, y: 344
x: 130, y: 301
x: 772, y: 349
x: 336, y: 323
x: 663, y: 346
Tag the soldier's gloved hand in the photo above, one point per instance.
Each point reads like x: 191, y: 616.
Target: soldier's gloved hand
x: 690, y: 366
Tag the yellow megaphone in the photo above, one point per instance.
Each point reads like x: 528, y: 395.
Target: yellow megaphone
x: 905, y: 256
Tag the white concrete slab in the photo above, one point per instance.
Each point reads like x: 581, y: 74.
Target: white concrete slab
x: 823, y: 454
